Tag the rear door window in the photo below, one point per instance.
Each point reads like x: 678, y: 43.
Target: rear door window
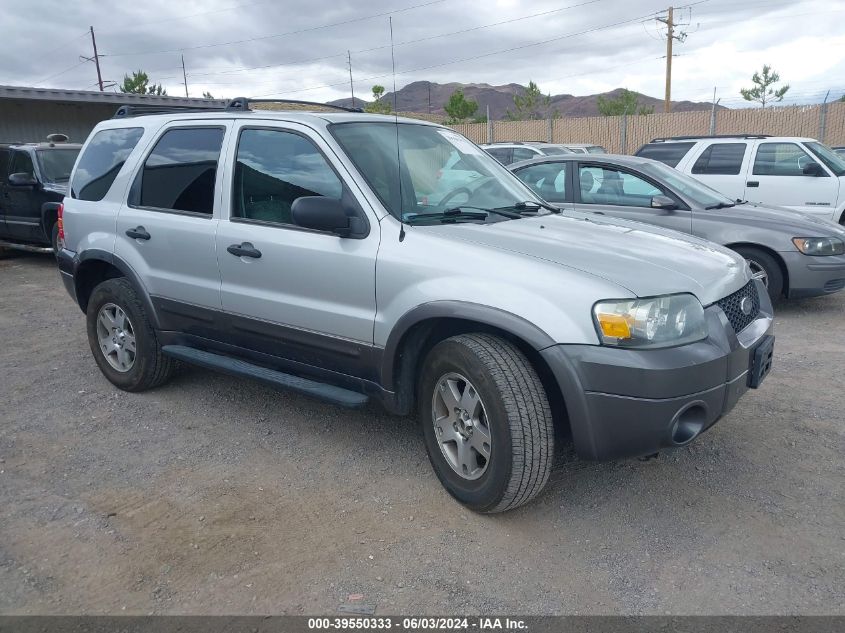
x: 667, y: 153
x: 721, y: 158
x: 101, y: 161
x: 547, y: 179
x: 4, y: 165
x: 181, y: 171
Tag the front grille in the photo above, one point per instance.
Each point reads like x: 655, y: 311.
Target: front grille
x: 732, y: 307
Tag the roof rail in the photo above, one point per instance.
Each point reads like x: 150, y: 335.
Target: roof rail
x: 242, y: 103
x: 662, y: 139
x: 125, y: 111
x: 518, y: 142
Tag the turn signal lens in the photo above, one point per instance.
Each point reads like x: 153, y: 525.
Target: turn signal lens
x: 614, y: 325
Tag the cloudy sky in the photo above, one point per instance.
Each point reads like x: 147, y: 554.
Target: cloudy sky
x: 298, y: 48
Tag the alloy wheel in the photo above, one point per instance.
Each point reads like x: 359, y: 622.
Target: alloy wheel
x: 116, y: 337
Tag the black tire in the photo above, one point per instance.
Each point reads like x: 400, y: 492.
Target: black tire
x: 517, y: 414
x: 150, y: 368
x: 774, y: 273
x: 54, y: 238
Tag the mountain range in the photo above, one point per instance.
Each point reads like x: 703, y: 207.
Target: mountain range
x: 429, y: 97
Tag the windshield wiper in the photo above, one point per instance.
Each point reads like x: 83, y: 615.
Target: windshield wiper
x: 532, y: 206
x: 456, y: 213
x: 720, y: 205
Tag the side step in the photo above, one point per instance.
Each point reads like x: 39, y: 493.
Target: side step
x: 29, y: 248
x: 244, y: 369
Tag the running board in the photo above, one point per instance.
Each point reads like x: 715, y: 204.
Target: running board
x: 29, y: 248
x: 244, y: 369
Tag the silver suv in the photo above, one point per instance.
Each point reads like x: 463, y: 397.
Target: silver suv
x: 301, y: 249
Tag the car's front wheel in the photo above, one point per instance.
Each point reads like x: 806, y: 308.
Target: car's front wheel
x: 122, y: 339
x: 487, y: 422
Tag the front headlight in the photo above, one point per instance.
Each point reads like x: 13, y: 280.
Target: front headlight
x: 648, y: 323
x: 819, y: 246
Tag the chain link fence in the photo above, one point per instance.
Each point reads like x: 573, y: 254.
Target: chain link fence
x: 625, y: 134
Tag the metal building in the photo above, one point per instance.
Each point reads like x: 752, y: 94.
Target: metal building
x: 30, y: 114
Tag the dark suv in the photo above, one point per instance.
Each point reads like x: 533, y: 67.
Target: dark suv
x: 33, y: 182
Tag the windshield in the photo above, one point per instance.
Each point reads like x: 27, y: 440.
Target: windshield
x: 834, y: 161
x: 695, y: 191
x: 56, y: 164
x: 440, y: 169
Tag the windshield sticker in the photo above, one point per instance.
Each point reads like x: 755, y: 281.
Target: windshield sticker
x: 461, y: 144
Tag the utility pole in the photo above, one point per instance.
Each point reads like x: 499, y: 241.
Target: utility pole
x: 351, y: 85
x: 96, y: 59
x: 713, y: 113
x: 429, y: 97
x: 670, y: 23
x: 184, y: 76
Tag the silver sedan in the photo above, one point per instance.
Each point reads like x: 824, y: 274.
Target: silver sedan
x: 795, y: 255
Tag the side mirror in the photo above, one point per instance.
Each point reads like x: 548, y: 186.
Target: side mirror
x: 22, y: 180
x: 663, y: 202
x: 321, y: 214
x: 813, y: 169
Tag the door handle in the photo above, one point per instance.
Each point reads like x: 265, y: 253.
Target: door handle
x: 246, y: 249
x: 753, y: 183
x: 138, y: 233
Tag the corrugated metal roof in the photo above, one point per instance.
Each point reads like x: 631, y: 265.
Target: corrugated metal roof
x: 58, y: 95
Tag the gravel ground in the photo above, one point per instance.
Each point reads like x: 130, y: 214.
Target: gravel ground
x: 214, y: 495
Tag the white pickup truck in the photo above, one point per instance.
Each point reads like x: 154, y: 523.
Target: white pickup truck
x: 799, y: 173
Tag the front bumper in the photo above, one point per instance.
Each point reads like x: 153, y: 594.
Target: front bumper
x: 629, y: 403
x: 814, y: 276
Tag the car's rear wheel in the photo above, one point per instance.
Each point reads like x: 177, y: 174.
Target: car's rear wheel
x: 487, y: 422
x: 765, y: 268
x: 122, y: 339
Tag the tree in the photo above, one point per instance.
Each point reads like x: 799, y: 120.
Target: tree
x: 207, y: 95
x: 459, y: 108
x: 139, y: 84
x: 378, y: 106
x: 626, y: 102
x: 762, y: 92
x: 532, y: 104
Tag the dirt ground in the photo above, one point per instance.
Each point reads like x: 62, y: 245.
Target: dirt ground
x: 215, y: 495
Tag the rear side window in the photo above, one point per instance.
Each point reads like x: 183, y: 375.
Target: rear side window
x: 501, y: 154
x: 667, y: 153
x: 273, y: 169
x: 180, y: 172
x: 780, y: 159
x: 101, y: 161
x: 523, y: 153
x: 720, y: 158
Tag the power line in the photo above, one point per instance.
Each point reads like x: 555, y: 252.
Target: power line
x: 185, y: 17
x: 476, y: 57
x: 275, y: 35
x: 405, y: 43
x: 60, y: 47
x: 61, y: 72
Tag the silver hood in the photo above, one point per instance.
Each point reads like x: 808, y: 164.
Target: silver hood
x: 644, y: 259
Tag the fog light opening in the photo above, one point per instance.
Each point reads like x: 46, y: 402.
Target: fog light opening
x: 688, y: 424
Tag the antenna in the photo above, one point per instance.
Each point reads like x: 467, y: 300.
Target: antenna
x: 396, y: 121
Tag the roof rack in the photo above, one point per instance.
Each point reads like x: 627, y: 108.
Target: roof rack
x: 242, y: 103
x: 663, y: 139
x: 140, y: 110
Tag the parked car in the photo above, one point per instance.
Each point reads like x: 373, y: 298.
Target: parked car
x: 292, y: 248
x: 839, y: 150
x: 784, y: 171
x: 791, y: 253
x: 33, y: 181
x: 512, y: 152
x: 585, y: 148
